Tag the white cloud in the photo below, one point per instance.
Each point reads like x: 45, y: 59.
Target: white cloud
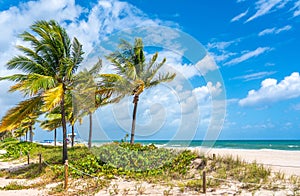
x: 205, y: 92
x: 218, y: 50
x: 267, y: 31
x: 220, y: 45
x: 206, y: 64
x: 223, y: 56
x: 285, y: 28
x: 296, y: 9
x: 255, y: 76
x: 264, y: 7
x: 238, y: 17
x: 188, y: 71
x: 275, y: 30
x: 248, y: 55
x: 106, y: 18
x: 272, y: 91
x: 16, y: 19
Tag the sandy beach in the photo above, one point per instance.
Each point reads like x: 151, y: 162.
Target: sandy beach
x: 284, y: 161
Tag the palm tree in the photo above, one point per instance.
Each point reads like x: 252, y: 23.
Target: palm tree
x: 48, y: 67
x: 89, y: 96
x: 135, y: 74
x: 27, y: 125
x: 52, y: 122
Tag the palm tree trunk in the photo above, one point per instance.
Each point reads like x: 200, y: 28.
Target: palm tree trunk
x: 26, y: 136
x: 72, y: 139
x: 135, y: 102
x: 30, y: 134
x: 54, y: 137
x: 64, y: 126
x: 91, y: 130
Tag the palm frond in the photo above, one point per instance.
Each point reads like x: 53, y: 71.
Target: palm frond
x: 151, y: 73
x: 15, y: 77
x: 32, y: 84
x: 17, y: 114
x: 51, y: 124
x: 77, y: 53
x: 22, y: 63
x: 52, y: 98
x: 96, y: 68
x: 40, y: 65
x: 162, y: 78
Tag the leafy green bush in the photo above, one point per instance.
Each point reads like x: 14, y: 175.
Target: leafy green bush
x: 134, y: 157
x: 15, y: 149
x: 181, y: 162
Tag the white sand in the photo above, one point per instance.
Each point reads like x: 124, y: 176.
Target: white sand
x: 278, y: 160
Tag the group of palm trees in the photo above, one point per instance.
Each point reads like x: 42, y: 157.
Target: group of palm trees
x: 51, y: 85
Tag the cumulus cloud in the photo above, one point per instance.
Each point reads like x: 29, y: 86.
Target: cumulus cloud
x: 275, y: 30
x: 175, y: 64
x: 208, y: 90
x: 248, y: 55
x: 272, y: 91
x: 206, y: 65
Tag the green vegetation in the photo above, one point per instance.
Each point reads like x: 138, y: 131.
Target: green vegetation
x: 137, y: 162
x: 233, y: 168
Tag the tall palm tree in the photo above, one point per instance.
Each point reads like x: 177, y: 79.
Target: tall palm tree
x: 89, y: 95
x: 48, y: 67
x: 135, y: 73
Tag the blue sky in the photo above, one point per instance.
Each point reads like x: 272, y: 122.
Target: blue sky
x: 246, y: 85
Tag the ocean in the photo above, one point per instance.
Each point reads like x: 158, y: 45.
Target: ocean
x: 292, y: 145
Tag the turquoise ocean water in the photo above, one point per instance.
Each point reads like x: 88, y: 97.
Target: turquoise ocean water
x: 231, y: 144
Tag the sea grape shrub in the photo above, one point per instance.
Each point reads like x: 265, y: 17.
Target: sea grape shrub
x: 136, y: 146
x: 180, y: 164
x: 135, y: 157
x: 137, y: 160
x: 15, y: 149
x: 89, y: 164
